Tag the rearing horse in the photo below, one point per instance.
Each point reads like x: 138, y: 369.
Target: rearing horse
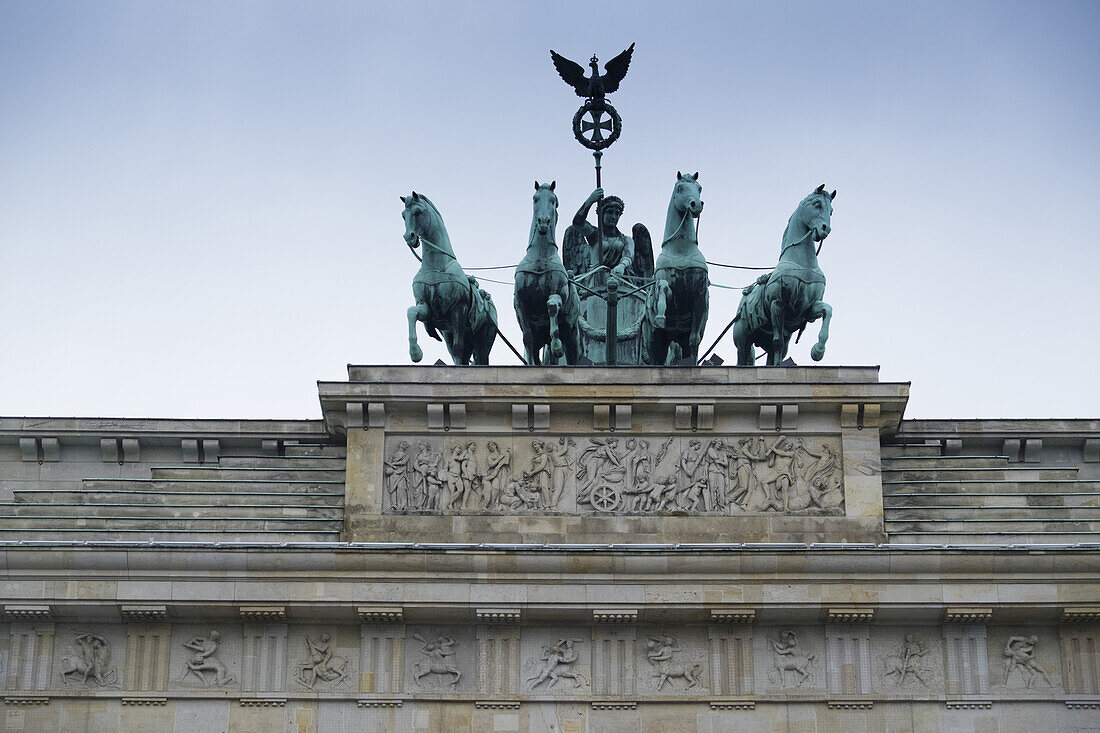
x: 447, y: 299
x: 546, y: 302
x: 789, y: 297
x: 676, y: 310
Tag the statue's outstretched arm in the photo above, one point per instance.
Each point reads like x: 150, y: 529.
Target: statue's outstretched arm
x: 580, y: 219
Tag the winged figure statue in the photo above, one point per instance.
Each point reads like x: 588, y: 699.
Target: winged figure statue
x: 596, y: 85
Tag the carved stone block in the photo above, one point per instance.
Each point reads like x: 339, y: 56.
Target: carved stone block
x: 673, y: 661
x: 1024, y: 661
x: 907, y: 660
x: 202, y: 657
x: 556, y: 661
x: 790, y: 660
x: 89, y: 657
x: 381, y: 614
x: 440, y: 658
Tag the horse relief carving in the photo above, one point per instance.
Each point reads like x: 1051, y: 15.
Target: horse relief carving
x: 660, y: 653
x: 321, y: 664
x: 635, y: 475
x: 90, y: 660
x: 790, y: 666
x: 437, y: 667
x: 554, y: 664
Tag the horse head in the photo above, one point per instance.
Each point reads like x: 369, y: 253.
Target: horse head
x: 416, y: 216
x: 545, y: 219
x: 815, y: 212
x: 686, y: 194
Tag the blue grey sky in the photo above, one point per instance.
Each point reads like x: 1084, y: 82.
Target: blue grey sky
x: 199, y: 210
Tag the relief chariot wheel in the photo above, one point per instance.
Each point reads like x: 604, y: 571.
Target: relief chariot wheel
x: 592, y: 120
x: 605, y: 498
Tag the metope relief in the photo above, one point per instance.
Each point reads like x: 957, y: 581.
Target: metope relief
x: 908, y: 665
x: 791, y: 665
x: 202, y: 662
x: 90, y: 661
x: 628, y: 475
x: 670, y: 664
x: 322, y: 666
x: 555, y: 663
x: 1020, y: 665
x: 438, y: 657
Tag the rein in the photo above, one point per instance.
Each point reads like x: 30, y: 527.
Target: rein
x: 687, y: 213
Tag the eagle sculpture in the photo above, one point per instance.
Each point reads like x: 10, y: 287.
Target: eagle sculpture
x: 597, y: 85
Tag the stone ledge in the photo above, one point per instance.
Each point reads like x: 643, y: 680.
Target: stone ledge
x: 969, y: 704
x: 497, y: 615
x: 614, y: 705
x: 615, y: 615
x: 262, y: 702
x: 381, y: 614
x: 143, y: 613
x: 967, y: 615
x: 378, y: 703
x: 1081, y: 615
x: 1083, y: 704
x: 27, y: 700
x: 262, y: 614
x: 732, y: 704
x: 144, y: 701
x: 497, y: 704
x: 27, y: 613
x: 850, y: 615
x: 732, y: 615
x: 850, y: 704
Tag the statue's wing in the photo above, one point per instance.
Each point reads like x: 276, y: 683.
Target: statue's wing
x: 575, y: 251
x: 616, y: 70
x: 572, y: 73
x: 643, y: 252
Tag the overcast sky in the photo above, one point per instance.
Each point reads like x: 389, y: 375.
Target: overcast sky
x: 199, y: 210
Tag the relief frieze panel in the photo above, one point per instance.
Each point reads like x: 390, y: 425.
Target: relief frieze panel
x: 613, y: 475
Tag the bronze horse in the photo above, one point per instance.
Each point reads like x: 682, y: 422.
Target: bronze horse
x: 676, y: 310
x: 790, y: 296
x: 546, y: 302
x: 447, y: 299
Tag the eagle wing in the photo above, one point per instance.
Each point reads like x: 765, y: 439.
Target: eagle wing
x: 616, y: 70
x: 643, y: 252
x: 572, y: 73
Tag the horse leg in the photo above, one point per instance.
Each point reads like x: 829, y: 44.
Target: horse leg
x: 663, y: 291
x: 530, y: 341
x: 418, y: 312
x: 742, y: 339
x: 779, y: 334
x: 699, y: 307
x: 553, y: 307
x: 459, y: 336
x: 821, y: 308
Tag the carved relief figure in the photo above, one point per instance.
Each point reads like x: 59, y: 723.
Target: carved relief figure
x: 1019, y: 653
x: 540, y: 474
x: 322, y: 665
x: 601, y: 475
x: 562, y: 460
x: 204, y: 662
x: 396, y: 470
x: 908, y: 662
x: 717, y: 463
x: 91, y: 659
x: 427, y: 486
x: 555, y: 663
x: 498, y: 472
x: 659, y: 653
x: 437, y: 650
x: 789, y: 658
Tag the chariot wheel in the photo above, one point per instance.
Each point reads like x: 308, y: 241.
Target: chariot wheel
x: 605, y: 498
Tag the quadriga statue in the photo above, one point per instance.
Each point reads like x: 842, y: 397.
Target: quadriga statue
x: 546, y: 302
x: 447, y: 299
x: 789, y: 297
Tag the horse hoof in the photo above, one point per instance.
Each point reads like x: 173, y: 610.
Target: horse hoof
x: 556, y: 349
x: 416, y: 353
x: 659, y: 321
x: 817, y: 352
